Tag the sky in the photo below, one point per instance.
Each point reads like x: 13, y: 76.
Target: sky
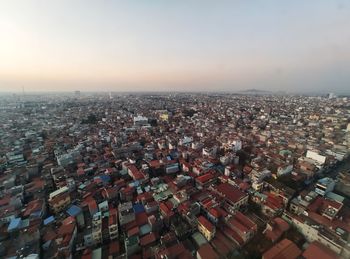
x: 175, y: 45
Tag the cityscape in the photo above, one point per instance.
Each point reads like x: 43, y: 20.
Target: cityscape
x: 174, y: 129
x: 174, y: 176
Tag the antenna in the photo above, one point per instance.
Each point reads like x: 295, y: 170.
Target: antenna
x: 22, y: 90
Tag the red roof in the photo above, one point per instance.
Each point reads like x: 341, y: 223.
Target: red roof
x: 238, y: 225
x: 109, y: 192
x: 112, y: 211
x: 114, y: 248
x: 130, y: 225
x: 6, y: 200
x: 154, y: 164
x: 145, y: 197
x: 214, y: 212
x: 282, y: 224
x: 274, y: 202
x: 321, y: 204
x: 317, y: 250
x: 141, y: 218
x: 169, y: 204
x: 206, y: 223
x: 112, y: 220
x: 223, y: 213
x: 133, y: 231
x: 165, y: 209
x: 68, y: 220
x: 148, y: 239
x: 207, y: 252
x: 33, y: 206
x: 244, y: 186
x: 92, y: 205
x: 80, y: 171
x: 230, y: 192
x: 285, y: 249
x: 246, y: 221
x: 50, y: 234
x: 279, y: 226
x: 135, y: 173
x: 234, y: 235
x: 127, y: 190
x: 220, y: 244
x: 247, y: 169
x: 119, y: 183
x: 175, y: 251
x: 205, y: 178
x: 66, y: 229
x: 184, y: 207
x: 87, y: 254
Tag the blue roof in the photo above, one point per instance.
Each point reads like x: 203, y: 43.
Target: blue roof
x: 134, y: 183
x: 49, y: 220
x: 14, y: 224
x: 145, y: 229
x: 138, y: 208
x: 74, y: 210
x: 105, y: 178
x: 36, y: 213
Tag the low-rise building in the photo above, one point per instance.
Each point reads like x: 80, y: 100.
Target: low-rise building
x: 206, y: 228
x: 233, y: 198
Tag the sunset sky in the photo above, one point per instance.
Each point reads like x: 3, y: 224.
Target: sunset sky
x: 167, y: 45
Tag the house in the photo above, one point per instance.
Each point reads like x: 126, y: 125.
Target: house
x: 59, y: 199
x: 324, y: 186
x: 66, y: 235
x: 77, y: 212
x: 110, y: 193
x: 126, y: 213
x: 232, y: 196
x: 243, y: 226
x: 206, y: 179
x: 35, y: 209
x: 312, y: 232
x: 206, y: 228
x: 273, y: 205
x: 135, y: 173
x: 275, y: 229
x: 112, y: 225
x: 97, y: 228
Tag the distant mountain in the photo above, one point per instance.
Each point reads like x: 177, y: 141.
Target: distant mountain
x: 255, y: 91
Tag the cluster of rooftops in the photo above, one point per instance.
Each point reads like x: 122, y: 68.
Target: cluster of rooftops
x: 173, y: 175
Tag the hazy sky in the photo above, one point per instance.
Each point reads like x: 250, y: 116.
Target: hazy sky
x: 174, y: 45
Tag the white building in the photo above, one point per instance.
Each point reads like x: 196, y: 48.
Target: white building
x: 236, y: 145
x: 316, y: 157
x: 140, y: 121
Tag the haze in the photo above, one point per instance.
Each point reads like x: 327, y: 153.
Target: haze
x: 175, y: 45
